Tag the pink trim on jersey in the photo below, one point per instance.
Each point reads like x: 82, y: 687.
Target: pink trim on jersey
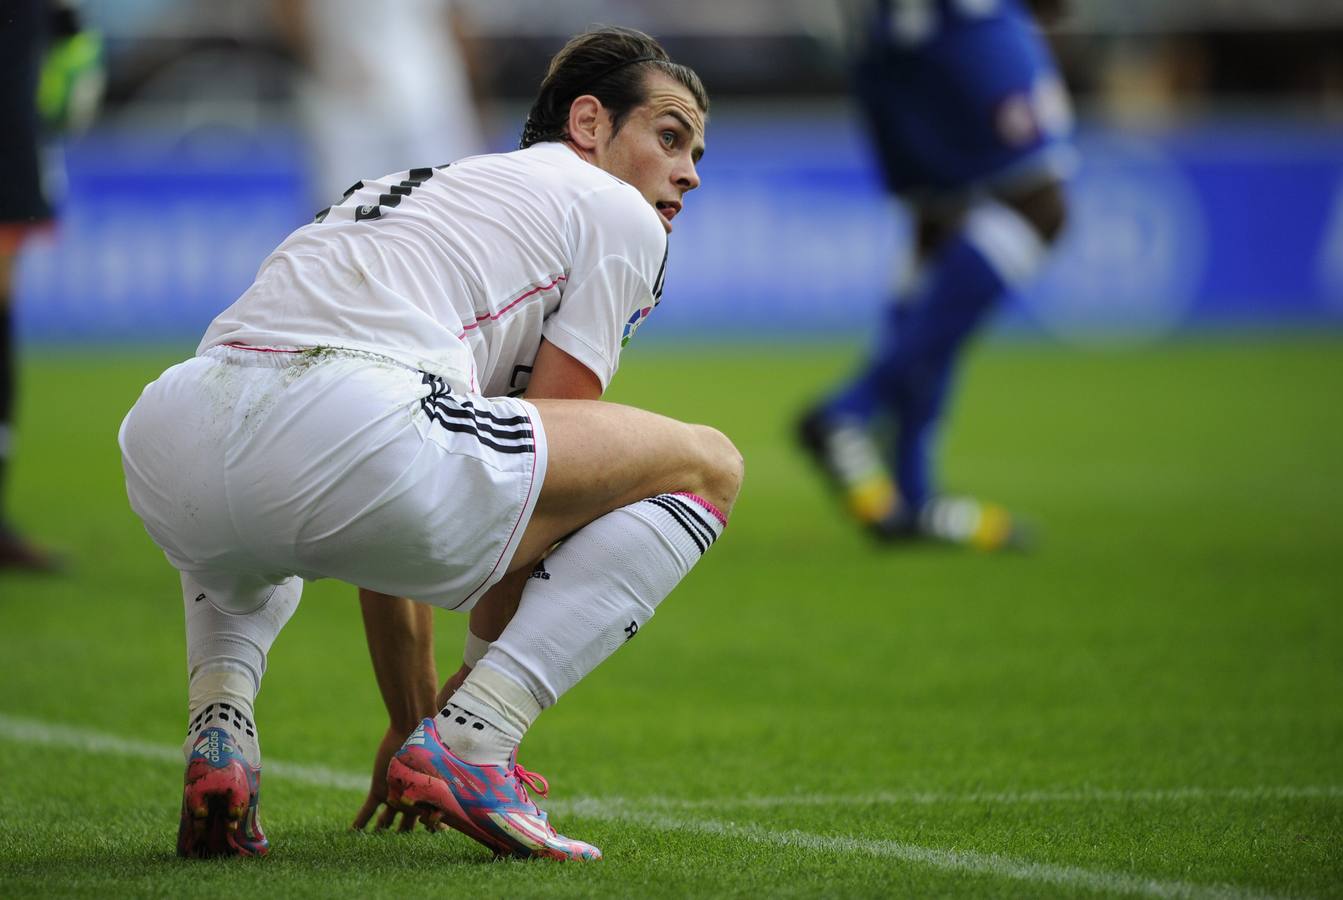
x: 534, y: 291
x: 713, y: 510
x: 236, y: 346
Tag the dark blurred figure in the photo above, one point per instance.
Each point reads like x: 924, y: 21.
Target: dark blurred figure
x: 971, y: 124
x: 45, y: 68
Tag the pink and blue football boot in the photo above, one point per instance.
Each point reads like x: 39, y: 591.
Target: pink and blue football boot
x: 220, y: 799
x: 487, y: 803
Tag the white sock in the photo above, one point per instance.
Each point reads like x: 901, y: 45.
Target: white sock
x: 226, y: 659
x: 1007, y: 241
x: 473, y: 649
x: 486, y: 718
x: 234, y: 716
x: 605, y: 581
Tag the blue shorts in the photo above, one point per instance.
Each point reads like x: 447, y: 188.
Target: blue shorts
x: 977, y: 107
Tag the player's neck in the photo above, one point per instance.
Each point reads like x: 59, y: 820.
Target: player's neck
x: 585, y: 155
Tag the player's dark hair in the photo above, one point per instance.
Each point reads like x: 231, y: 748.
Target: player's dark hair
x: 611, y: 64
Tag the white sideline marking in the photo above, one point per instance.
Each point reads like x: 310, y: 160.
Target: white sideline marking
x: 645, y: 813
x: 968, y: 861
x: 1004, y: 798
x: 31, y: 731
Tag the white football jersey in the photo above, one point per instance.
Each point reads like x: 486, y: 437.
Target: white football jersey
x: 459, y: 271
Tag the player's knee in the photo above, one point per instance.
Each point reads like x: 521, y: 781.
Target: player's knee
x: 721, y: 467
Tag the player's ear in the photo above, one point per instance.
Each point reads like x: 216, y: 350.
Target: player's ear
x: 585, y: 118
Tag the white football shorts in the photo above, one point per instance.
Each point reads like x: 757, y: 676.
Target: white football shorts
x: 249, y: 467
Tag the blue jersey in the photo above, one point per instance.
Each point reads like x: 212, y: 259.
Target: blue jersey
x: 911, y: 22
x: 960, y: 96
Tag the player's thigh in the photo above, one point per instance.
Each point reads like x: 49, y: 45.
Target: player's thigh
x: 602, y: 456
x: 173, y: 444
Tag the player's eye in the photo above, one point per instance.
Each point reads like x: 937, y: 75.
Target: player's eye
x: 668, y: 139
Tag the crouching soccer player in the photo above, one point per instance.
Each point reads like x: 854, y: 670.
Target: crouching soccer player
x: 355, y: 415
x: 971, y: 124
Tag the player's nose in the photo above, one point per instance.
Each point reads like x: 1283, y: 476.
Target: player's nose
x: 686, y: 176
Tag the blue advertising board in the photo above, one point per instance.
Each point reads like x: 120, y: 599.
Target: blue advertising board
x: 790, y: 235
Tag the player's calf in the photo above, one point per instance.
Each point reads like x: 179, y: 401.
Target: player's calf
x: 593, y: 595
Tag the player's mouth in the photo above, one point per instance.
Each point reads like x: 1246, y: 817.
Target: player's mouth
x: 668, y: 210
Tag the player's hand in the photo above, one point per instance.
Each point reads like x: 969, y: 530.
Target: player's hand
x: 376, y: 803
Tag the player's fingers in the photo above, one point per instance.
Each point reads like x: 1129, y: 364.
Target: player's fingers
x: 433, y: 821
x: 386, y: 818
x: 365, y: 813
x: 408, y: 820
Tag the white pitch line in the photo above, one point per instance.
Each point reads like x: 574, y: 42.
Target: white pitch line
x: 967, y: 861
x: 1003, y: 798
x: 646, y: 814
x: 32, y: 731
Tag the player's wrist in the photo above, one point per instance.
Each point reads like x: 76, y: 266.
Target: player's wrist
x: 412, y: 706
x: 403, y: 722
x: 473, y: 649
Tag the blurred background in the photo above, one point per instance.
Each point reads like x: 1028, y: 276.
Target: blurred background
x: 1210, y: 194
x: 1157, y: 693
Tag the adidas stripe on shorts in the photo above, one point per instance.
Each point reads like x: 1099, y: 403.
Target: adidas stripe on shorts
x: 249, y: 467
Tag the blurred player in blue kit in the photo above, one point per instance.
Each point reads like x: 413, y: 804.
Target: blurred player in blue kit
x: 971, y: 124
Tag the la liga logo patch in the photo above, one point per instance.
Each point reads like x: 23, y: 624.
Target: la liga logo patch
x: 633, y: 324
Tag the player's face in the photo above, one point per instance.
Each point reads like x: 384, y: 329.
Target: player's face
x: 657, y: 147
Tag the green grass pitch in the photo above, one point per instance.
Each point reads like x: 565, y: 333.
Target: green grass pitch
x: 1149, y: 705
